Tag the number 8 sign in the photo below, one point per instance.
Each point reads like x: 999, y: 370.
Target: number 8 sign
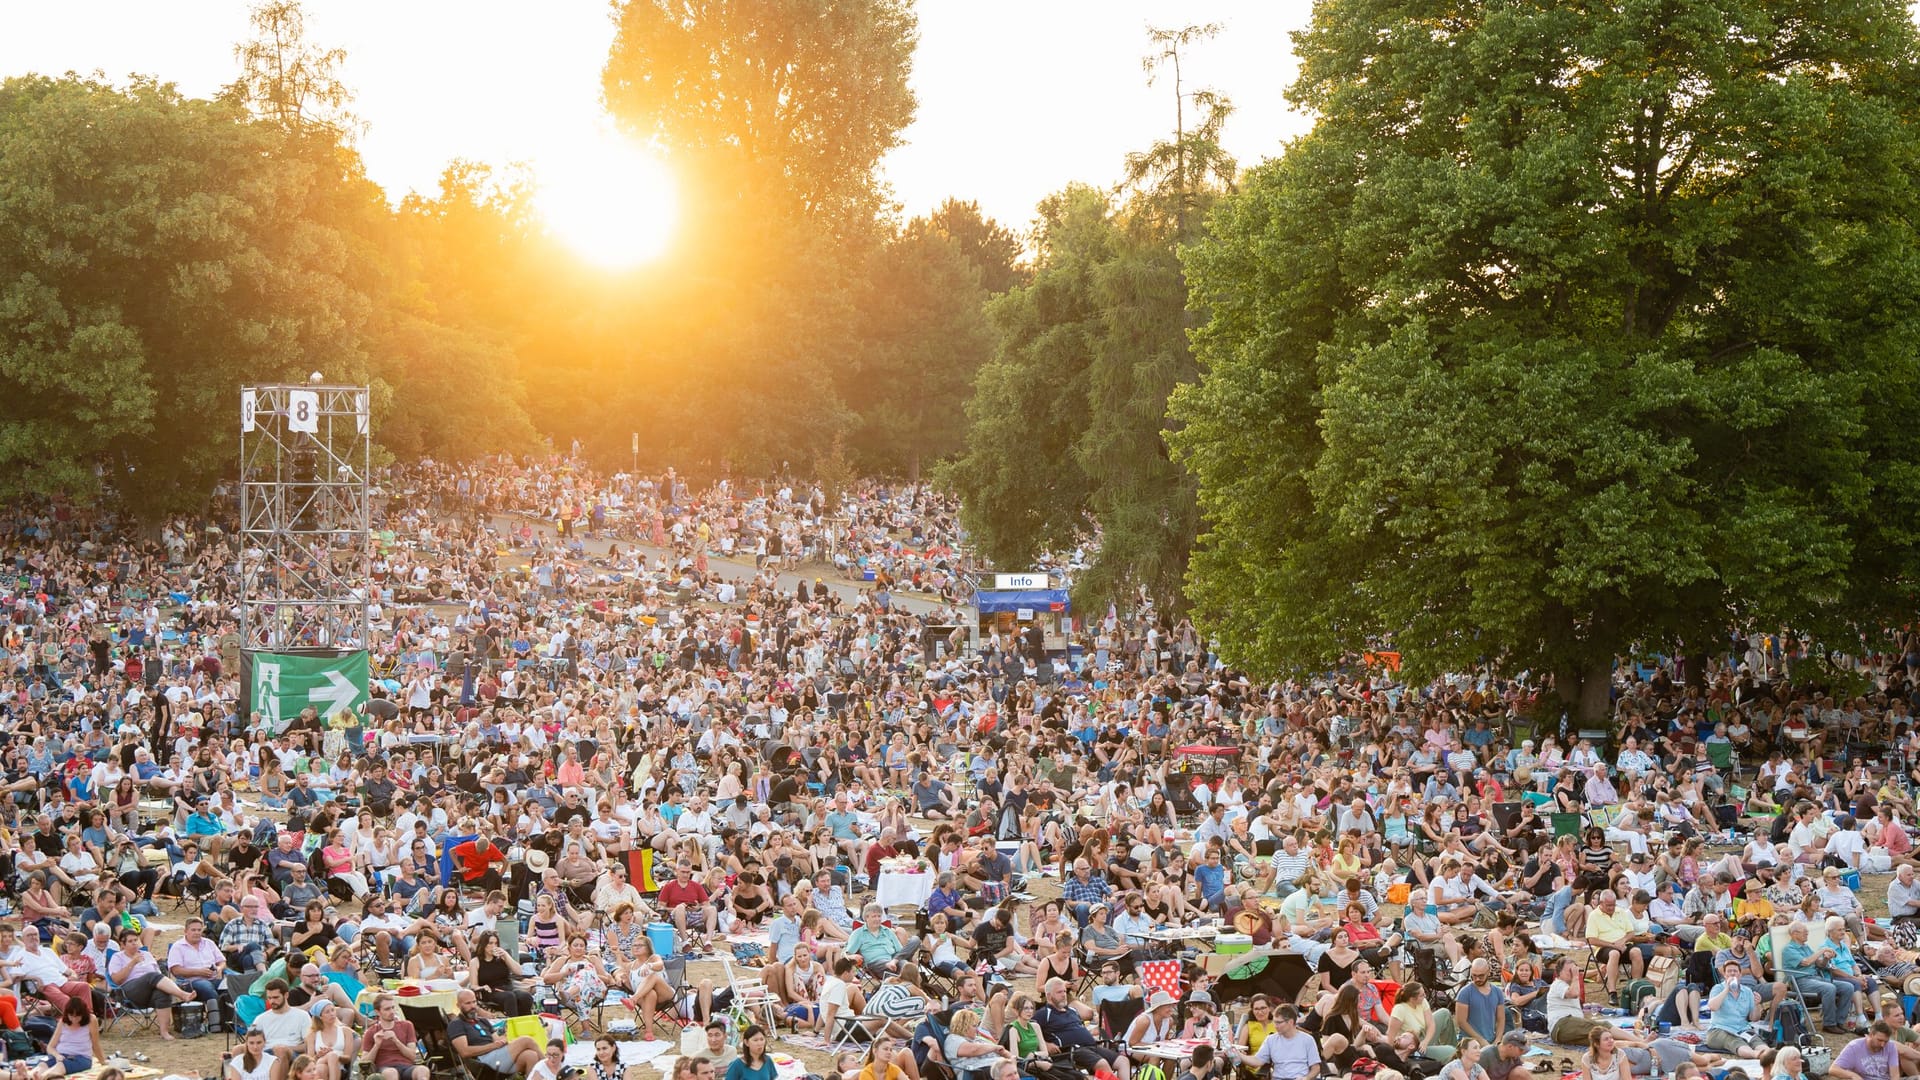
x: 303, y: 411
x: 247, y: 408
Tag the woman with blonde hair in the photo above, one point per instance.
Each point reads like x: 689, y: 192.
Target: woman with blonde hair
x: 966, y: 1050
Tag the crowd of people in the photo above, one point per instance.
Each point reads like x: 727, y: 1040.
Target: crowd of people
x: 623, y: 729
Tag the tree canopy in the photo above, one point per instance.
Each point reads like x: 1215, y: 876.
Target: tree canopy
x: 1565, y: 329
x: 1066, y: 443
x: 161, y: 250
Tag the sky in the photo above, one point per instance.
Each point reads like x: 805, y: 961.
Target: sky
x: 1017, y: 98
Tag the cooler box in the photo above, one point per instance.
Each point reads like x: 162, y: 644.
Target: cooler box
x: 660, y: 936
x: 1233, y: 944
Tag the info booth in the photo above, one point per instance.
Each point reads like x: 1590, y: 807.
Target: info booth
x: 1012, y: 604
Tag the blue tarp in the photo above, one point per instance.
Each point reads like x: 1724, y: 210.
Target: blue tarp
x: 1013, y: 600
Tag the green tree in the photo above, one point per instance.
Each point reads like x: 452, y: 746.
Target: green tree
x: 1092, y: 376
x: 157, y: 252
x: 783, y: 106
x: 923, y: 338
x: 991, y: 247
x: 1566, y: 328
x: 288, y: 81
x: 1144, y: 501
x: 1175, y: 172
x: 1021, y: 487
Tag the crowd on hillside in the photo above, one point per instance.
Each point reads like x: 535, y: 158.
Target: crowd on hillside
x: 622, y: 725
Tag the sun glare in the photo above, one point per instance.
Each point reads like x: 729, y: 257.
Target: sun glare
x: 612, y: 202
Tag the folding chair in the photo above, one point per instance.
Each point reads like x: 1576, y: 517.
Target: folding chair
x: 752, y: 1001
x: 119, y: 1006
x: 437, y: 1052
x: 1723, y: 758
x: 848, y: 1027
x: 1115, y: 1017
x: 1816, y: 940
x: 1161, y: 975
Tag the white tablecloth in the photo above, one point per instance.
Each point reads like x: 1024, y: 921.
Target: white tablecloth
x: 903, y: 890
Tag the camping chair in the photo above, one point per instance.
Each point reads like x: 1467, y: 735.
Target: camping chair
x: 233, y: 989
x: 1816, y: 940
x: 752, y: 1001
x: 848, y: 1028
x: 929, y: 1049
x: 1723, y: 758
x: 1566, y: 824
x: 118, y: 1006
x: 1115, y: 1017
x: 437, y: 1052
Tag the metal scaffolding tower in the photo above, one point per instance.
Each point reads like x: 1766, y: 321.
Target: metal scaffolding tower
x: 306, y: 457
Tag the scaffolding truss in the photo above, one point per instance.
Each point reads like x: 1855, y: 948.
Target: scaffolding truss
x: 306, y: 458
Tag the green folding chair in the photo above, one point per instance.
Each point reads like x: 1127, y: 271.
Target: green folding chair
x: 1566, y: 824
x: 1723, y: 757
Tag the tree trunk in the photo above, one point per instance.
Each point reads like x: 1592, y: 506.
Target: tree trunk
x: 1585, y: 691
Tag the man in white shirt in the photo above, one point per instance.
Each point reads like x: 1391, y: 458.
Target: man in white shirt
x: 1213, y: 826
x: 1807, y: 833
x: 26, y: 960
x: 1455, y: 892
x: 1846, y: 843
x: 1903, y: 893
x: 284, y: 1026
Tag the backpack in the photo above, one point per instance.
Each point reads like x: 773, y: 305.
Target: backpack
x: 1791, y: 1024
x: 1633, y: 993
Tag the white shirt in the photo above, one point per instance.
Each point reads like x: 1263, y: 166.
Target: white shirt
x: 1903, y: 899
x: 1847, y: 845
x: 288, y: 1027
x: 42, y: 966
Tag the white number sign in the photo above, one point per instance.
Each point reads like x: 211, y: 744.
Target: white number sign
x: 303, y: 411
x: 360, y: 411
x: 247, y: 406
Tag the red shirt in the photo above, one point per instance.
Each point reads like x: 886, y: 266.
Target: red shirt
x: 673, y: 894
x: 874, y: 855
x: 473, y: 862
x: 390, y: 1055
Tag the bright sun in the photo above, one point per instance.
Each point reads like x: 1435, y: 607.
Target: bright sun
x: 612, y: 202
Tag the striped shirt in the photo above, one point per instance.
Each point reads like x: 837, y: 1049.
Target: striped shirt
x: 1289, y: 869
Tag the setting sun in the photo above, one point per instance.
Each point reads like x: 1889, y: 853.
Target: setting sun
x: 610, y: 201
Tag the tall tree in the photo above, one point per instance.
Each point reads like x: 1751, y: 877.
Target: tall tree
x: 1181, y: 167
x: 1566, y: 328
x: 1118, y: 350
x: 991, y: 247
x: 1022, y: 490
x: 923, y: 337
x: 287, y: 80
x: 782, y: 105
x: 158, y: 251
x: 776, y: 116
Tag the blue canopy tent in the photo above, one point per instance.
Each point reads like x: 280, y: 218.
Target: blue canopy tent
x: 1011, y: 610
x: 996, y: 600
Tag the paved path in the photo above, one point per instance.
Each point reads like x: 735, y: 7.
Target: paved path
x: 730, y: 569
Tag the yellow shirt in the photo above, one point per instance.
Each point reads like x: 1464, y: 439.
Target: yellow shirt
x: 1611, y: 929
x: 1761, y: 908
x: 1713, y: 943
